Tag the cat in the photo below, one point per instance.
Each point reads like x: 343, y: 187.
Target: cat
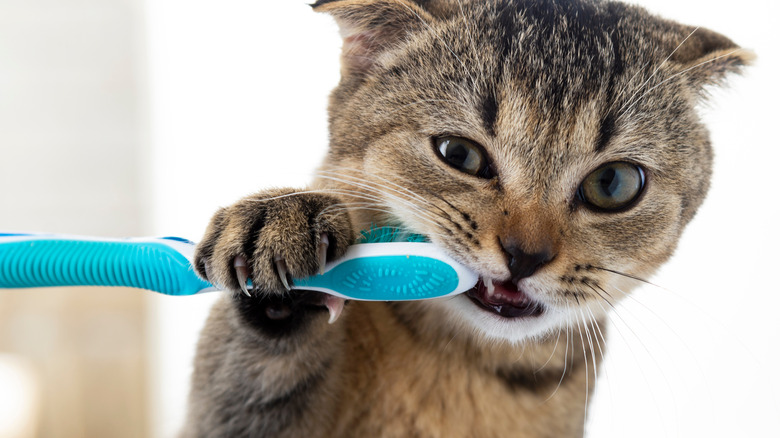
x: 553, y: 146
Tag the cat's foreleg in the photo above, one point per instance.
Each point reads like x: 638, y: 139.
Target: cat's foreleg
x: 268, y: 361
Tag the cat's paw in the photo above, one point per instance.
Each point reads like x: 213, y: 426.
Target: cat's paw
x: 271, y: 238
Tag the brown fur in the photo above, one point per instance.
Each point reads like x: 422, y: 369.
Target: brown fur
x: 551, y: 90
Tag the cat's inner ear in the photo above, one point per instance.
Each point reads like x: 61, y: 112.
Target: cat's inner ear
x: 707, y: 57
x: 372, y: 27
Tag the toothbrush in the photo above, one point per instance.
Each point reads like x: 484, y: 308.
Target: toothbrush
x: 378, y: 270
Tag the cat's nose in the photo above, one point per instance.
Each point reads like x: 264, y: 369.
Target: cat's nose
x: 524, y: 264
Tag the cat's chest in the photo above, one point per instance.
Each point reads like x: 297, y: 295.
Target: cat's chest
x: 407, y: 389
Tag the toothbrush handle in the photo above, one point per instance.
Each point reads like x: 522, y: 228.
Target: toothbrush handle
x: 43, y: 261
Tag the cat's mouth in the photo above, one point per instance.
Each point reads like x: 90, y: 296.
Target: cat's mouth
x: 505, y: 299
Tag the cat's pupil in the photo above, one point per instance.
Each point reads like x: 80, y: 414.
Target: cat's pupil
x: 457, y: 155
x: 610, y: 182
x: 464, y: 155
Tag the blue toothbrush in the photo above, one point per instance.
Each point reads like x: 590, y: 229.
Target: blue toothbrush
x: 378, y: 270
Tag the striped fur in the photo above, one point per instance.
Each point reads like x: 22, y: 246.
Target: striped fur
x: 550, y: 90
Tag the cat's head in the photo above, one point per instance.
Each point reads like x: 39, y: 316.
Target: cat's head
x: 550, y: 145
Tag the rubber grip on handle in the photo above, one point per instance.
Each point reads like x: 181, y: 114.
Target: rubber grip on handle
x: 63, y: 262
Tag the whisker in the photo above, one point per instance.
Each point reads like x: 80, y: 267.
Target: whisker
x: 447, y: 46
x: 623, y: 274
x: 306, y: 192
x: 676, y: 75
x: 338, y: 208
x: 640, y: 322
x: 404, y: 196
x: 597, y: 333
x: 389, y: 192
x: 682, y: 341
x: 401, y: 189
x: 595, y: 344
x: 444, y: 213
x: 649, y: 309
x: 414, y: 209
x: 374, y: 208
x: 587, y: 371
x: 409, y: 191
x: 469, y: 26
x: 555, y: 349
x: 639, y: 89
x: 628, y: 84
x: 633, y: 353
x: 602, y: 347
x: 365, y: 184
x: 602, y: 296
x: 657, y: 316
x: 590, y: 342
x: 565, y: 355
x: 355, y: 194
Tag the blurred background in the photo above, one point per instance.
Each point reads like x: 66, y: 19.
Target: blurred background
x: 141, y: 117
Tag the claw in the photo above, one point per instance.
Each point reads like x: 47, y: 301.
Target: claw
x: 239, y: 264
x: 281, y: 270
x: 322, y: 251
x: 335, y: 306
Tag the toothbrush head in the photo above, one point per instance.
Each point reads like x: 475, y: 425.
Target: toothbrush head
x: 391, y: 264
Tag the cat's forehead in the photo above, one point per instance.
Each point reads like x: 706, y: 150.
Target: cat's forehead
x: 552, y: 73
x: 490, y: 54
x: 559, y: 54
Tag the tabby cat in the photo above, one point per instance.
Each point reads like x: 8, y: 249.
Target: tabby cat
x: 550, y: 145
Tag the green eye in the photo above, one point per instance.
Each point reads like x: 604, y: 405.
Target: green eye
x: 614, y: 186
x: 464, y: 155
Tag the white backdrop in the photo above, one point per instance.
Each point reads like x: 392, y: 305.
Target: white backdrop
x: 238, y: 90
x: 238, y: 96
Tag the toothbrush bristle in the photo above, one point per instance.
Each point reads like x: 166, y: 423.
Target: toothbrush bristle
x: 389, y: 234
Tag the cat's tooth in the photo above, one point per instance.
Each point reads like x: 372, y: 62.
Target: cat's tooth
x: 322, y: 251
x: 281, y: 271
x: 335, y: 306
x: 242, y: 273
x: 491, y: 288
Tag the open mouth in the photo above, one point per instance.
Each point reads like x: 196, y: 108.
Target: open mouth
x: 505, y: 299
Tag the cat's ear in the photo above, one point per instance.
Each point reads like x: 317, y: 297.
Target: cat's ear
x: 372, y: 27
x: 707, y: 57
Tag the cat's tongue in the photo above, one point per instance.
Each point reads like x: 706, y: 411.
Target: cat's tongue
x: 504, y: 299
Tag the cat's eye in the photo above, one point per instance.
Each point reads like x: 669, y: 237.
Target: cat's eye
x: 464, y: 155
x: 613, y: 186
